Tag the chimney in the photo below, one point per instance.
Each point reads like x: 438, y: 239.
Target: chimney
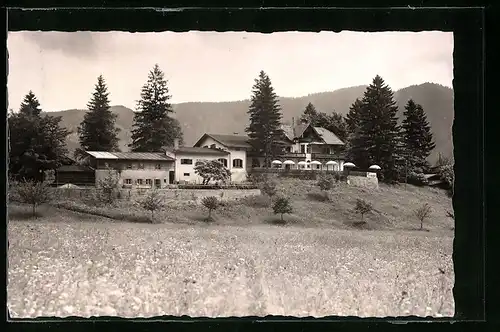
x: 176, y: 143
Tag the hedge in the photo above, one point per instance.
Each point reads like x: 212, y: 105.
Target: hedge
x: 217, y: 187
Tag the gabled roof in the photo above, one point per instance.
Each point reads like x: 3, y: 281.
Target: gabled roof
x: 328, y: 136
x: 156, y: 156
x: 295, y: 132
x: 199, y: 150
x: 230, y: 141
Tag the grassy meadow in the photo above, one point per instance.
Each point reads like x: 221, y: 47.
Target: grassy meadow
x: 78, y: 260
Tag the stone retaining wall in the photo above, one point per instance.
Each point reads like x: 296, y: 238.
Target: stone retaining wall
x: 362, y: 181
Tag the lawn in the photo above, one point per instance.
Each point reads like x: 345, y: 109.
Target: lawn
x: 87, y: 268
x: 74, y: 264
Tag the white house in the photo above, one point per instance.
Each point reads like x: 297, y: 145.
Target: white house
x: 235, y: 147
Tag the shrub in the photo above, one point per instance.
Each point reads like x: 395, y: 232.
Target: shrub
x: 281, y: 206
x: 212, y: 170
x: 269, y: 188
x: 211, y: 203
x: 32, y: 193
x: 152, y: 202
x: 417, y: 179
x: 107, y: 188
x: 362, y: 207
x: 325, y: 183
x: 447, y: 174
x: 423, y: 213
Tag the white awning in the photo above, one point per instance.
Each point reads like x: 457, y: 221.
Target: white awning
x: 276, y: 162
x: 331, y: 162
x: 288, y: 162
x: 315, y: 162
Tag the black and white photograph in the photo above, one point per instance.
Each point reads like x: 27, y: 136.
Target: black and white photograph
x: 230, y: 174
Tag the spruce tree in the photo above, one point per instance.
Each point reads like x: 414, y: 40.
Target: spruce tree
x: 352, y: 117
x: 310, y: 114
x: 264, y: 131
x: 97, y: 131
x: 153, y: 128
x: 37, y: 142
x: 30, y: 105
x: 376, y: 138
x: 333, y: 122
x: 417, y: 136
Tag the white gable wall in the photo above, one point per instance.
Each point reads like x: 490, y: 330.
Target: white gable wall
x: 237, y: 174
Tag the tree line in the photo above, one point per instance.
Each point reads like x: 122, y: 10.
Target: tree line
x: 37, y: 141
x: 370, y: 129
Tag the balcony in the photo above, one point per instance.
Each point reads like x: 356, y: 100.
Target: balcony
x: 329, y: 156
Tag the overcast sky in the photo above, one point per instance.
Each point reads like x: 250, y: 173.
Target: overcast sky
x: 62, y: 67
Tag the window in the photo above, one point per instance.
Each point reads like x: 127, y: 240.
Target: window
x: 186, y: 174
x: 288, y: 149
x: 237, y: 163
x: 128, y: 181
x: 141, y: 166
x: 206, y: 146
x: 139, y: 182
x: 237, y: 149
x: 223, y: 161
x: 148, y: 182
x: 158, y: 166
x: 129, y: 166
x: 164, y: 180
x: 186, y: 161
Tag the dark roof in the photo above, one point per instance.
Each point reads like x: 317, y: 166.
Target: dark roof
x: 328, y: 136
x: 198, y: 150
x: 230, y: 141
x: 292, y: 133
x: 74, y: 168
x: 156, y: 156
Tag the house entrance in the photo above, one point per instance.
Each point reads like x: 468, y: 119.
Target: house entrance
x: 171, y: 177
x: 157, y: 183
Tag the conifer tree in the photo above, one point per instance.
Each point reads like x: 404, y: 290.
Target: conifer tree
x: 417, y: 136
x: 97, y: 131
x: 30, y: 105
x: 376, y: 138
x: 264, y: 131
x: 37, y: 142
x: 352, y: 117
x: 310, y: 114
x: 333, y: 122
x: 153, y: 128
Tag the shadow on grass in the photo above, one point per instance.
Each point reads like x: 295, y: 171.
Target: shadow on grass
x: 18, y: 213
x: 204, y: 219
x: 318, y: 197
x: 361, y: 225
x: 108, y: 214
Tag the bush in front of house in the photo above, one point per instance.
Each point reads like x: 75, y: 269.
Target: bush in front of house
x: 31, y: 192
x: 211, y: 203
x: 362, y: 207
x: 325, y: 183
x: 152, y: 202
x: 282, y: 206
x: 417, y: 179
x: 447, y: 174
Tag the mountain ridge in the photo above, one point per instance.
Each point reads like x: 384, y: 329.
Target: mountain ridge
x: 228, y: 117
